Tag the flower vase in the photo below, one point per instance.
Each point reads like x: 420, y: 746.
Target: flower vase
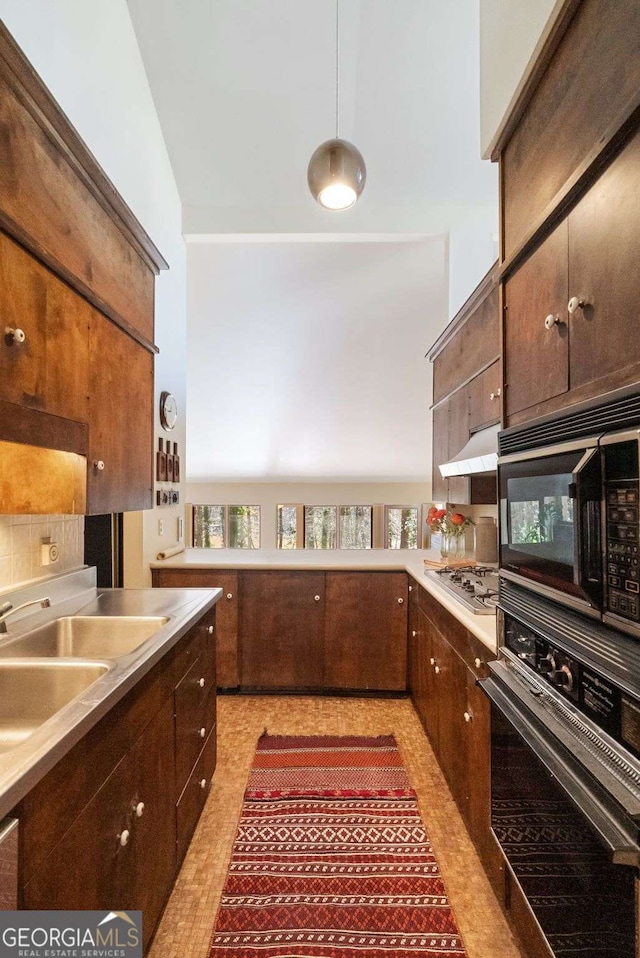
x: 457, y: 548
x: 445, y: 546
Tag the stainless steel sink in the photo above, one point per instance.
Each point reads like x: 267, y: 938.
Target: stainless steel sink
x: 31, y: 692
x: 85, y: 637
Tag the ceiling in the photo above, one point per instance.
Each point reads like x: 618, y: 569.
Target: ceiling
x: 245, y: 91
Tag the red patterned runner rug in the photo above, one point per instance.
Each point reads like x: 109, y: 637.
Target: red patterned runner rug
x: 331, y: 858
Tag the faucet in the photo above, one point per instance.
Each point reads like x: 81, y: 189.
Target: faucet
x: 7, y: 609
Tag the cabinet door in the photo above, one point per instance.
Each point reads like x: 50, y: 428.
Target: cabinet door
x: 536, y: 358
x: 604, y: 236
x: 366, y: 631
x: 477, y: 810
x: 425, y: 700
x: 484, y: 398
x: 440, y: 446
x: 49, y: 370
x: 227, y: 630
x: 450, y: 684
x: 121, y: 860
x: 121, y: 421
x: 282, y: 628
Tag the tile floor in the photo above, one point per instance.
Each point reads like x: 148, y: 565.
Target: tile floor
x: 186, y: 926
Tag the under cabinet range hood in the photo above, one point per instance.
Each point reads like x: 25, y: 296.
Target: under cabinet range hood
x: 479, y: 454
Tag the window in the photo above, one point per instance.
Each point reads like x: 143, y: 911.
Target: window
x: 355, y: 527
x: 289, y: 520
x: 218, y: 527
x: 320, y: 527
x: 402, y: 525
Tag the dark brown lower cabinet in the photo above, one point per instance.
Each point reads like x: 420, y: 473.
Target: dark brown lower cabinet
x: 227, y: 656
x: 365, y: 644
x: 108, y: 827
x: 282, y: 630
x: 454, y: 711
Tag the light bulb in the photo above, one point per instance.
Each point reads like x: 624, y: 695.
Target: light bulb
x: 337, y: 196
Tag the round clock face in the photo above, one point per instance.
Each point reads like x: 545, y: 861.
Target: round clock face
x: 168, y: 410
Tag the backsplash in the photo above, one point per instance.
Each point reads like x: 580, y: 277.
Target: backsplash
x: 20, y: 541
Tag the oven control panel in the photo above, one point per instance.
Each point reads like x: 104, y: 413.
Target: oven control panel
x: 622, y: 560
x: 596, y: 696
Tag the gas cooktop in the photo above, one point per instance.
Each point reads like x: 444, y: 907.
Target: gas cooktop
x: 474, y: 586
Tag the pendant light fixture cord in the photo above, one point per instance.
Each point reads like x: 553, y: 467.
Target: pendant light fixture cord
x: 337, y: 67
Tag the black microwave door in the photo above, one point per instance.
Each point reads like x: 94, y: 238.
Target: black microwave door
x: 550, y: 522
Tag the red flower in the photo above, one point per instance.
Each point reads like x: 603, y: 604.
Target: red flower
x: 458, y: 519
x: 440, y: 514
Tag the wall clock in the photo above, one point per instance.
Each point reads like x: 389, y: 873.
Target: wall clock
x: 168, y: 410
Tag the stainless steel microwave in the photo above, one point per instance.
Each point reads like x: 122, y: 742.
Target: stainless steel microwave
x: 570, y: 526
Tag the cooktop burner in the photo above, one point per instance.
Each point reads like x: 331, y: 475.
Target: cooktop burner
x: 474, y: 586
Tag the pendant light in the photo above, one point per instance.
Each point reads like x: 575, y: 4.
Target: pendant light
x: 337, y: 173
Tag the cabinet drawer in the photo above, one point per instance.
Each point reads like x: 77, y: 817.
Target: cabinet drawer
x: 191, y: 710
x: 195, y: 794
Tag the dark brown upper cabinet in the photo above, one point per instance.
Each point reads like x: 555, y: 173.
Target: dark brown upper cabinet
x: 77, y: 275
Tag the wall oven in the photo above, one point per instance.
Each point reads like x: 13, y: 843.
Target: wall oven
x: 565, y: 773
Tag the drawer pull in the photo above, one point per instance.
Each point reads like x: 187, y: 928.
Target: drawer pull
x: 410, y: 588
x: 203, y: 784
x: 123, y: 837
x: 413, y: 633
x: 432, y: 661
x: 400, y: 601
x: 210, y: 629
x: 203, y: 732
x: 316, y: 598
x: 229, y: 595
x: 477, y: 662
x: 201, y: 683
x: 437, y: 669
x: 467, y: 716
x: 139, y: 809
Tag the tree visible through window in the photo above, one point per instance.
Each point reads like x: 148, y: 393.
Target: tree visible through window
x: 355, y: 527
x: 219, y: 527
x: 244, y: 527
x: 402, y: 527
x: 208, y: 527
x: 287, y: 527
x: 320, y: 527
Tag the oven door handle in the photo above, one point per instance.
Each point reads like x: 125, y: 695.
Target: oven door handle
x: 582, y: 792
x: 586, y: 490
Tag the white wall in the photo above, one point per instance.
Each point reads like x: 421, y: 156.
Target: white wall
x: 88, y: 56
x: 510, y: 32
x: 306, y: 361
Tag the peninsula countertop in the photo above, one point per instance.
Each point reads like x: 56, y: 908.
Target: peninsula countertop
x: 24, y: 764
x: 411, y: 561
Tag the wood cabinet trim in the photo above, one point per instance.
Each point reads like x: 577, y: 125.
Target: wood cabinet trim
x: 467, y: 382
x: 18, y: 72
x: 24, y: 425
x: 466, y: 311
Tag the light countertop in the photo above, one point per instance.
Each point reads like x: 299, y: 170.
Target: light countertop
x: 354, y: 560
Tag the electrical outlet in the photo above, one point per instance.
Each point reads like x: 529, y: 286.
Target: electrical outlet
x: 160, y: 527
x: 49, y: 552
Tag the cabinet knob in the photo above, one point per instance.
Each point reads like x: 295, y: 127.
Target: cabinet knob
x: 413, y: 633
x: 98, y: 465
x: 575, y: 304
x: 410, y: 588
x: 467, y: 716
x: 201, y: 683
x: 436, y: 669
x: 12, y: 336
x: 477, y: 662
x: 495, y: 395
x: 229, y: 595
x: 316, y: 598
x: 123, y: 837
x: 400, y: 601
x: 203, y: 732
x: 139, y: 809
x: 432, y: 661
x: 203, y: 783
x: 210, y: 629
x: 551, y: 321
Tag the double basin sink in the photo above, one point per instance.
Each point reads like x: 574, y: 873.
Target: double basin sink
x: 43, y: 670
